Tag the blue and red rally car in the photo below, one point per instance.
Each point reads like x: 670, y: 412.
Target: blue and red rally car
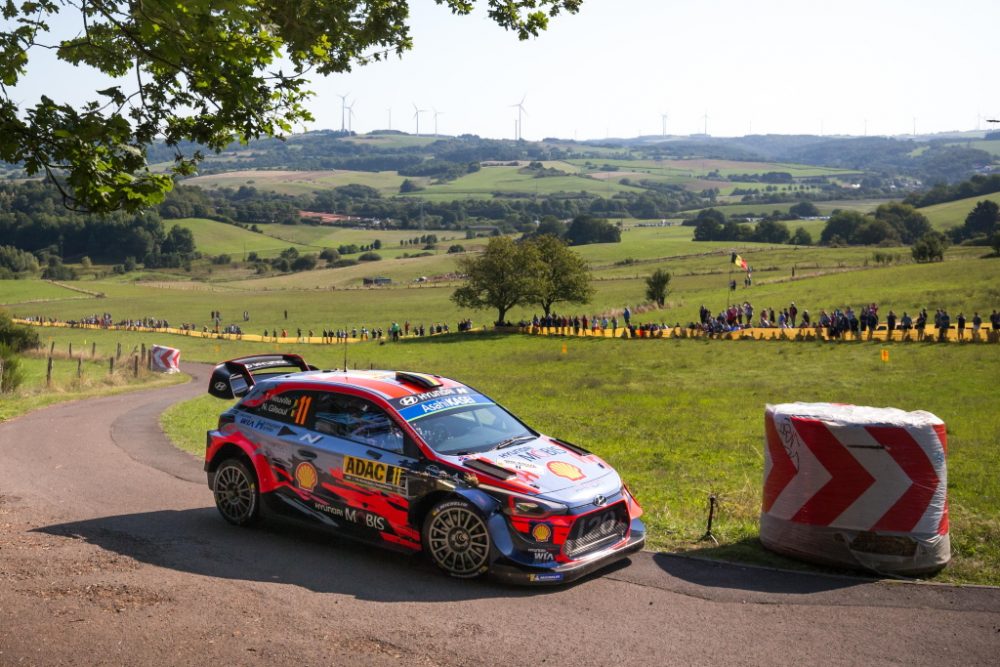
x: 414, y: 462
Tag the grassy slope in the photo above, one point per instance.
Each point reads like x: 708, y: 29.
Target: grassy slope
x: 953, y: 213
x: 216, y: 238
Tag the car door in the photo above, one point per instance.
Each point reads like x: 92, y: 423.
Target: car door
x: 367, y: 475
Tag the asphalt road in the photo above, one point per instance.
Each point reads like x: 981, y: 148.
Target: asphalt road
x: 111, y: 552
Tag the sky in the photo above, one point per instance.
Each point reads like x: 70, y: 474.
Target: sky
x: 881, y: 67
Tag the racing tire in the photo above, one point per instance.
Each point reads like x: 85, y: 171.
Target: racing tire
x: 457, y: 539
x: 236, y: 493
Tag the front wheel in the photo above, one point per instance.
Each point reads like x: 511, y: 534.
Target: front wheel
x: 456, y: 538
x: 236, y: 494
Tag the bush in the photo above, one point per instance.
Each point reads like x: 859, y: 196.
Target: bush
x: 304, y: 263
x: 221, y: 259
x: 17, y: 337
x: 12, y: 375
x: 342, y: 263
x: 455, y: 249
x: 369, y: 257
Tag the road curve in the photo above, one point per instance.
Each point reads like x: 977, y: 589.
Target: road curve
x: 111, y: 552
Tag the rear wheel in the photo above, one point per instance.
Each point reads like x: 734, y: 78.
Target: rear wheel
x: 236, y: 494
x: 457, y: 539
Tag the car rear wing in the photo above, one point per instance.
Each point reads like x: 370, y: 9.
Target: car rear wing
x: 234, y: 378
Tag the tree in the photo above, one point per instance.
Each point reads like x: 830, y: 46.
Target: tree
x: 204, y: 71
x: 930, y: 247
x: 801, y: 237
x: 563, y: 275
x: 708, y: 229
x: 551, y: 225
x: 840, y: 227
x: 995, y: 242
x: 503, y: 276
x: 180, y: 240
x: 909, y: 223
x: 586, y: 229
x: 771, y: 231
x: 982, y: 220
x: 804, y: 209
x: 656, y: 286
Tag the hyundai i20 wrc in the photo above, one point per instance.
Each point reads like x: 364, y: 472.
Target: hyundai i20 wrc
x: 414, y: 462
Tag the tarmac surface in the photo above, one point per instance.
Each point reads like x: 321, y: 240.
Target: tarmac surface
x: 112, y: 553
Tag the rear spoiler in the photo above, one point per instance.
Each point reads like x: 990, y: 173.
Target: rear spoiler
x: 234, y: 378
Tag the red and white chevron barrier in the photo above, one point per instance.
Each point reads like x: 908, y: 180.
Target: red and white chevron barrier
x: 856, y: 486
x: 165, y: 359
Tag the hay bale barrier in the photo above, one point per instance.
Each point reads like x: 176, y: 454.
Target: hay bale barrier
x: 856, y: 487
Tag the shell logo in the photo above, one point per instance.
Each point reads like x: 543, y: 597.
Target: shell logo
x: 541, y: 532
x: 567, y: 470
x: 305, y: 476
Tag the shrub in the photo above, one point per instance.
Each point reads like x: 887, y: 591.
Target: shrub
x: 455, y: 249
x: 12, y: 375
x: 18, y: 337
x: 369, y: 257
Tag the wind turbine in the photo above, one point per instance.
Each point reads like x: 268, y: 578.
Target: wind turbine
x: 663, y: 117
x: 343, y: 111
x: 416, y: 114
x: 389, y: 109
x: 436, y: 114
x: 520, y: 110
x: 350, y: 116
x: 706, y: 122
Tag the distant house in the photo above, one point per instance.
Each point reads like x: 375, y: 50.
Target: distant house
x: 377, y: 280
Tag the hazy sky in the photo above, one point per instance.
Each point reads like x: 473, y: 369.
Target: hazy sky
x: 766, y: 66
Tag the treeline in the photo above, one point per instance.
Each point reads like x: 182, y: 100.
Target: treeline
x: 977, y: 186
x: 711, y: 225
x: 33, y: 220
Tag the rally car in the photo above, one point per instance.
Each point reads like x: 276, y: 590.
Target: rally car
x: 414, y: 462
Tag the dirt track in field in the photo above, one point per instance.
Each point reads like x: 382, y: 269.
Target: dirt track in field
x: 111, y: 552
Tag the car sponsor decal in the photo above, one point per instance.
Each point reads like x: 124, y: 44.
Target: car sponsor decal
x: 413, y: 399
x: 354, y: 515
x: 530, y: 454
x: 546, y: 576
x: 371, y: 473
x: 541, y: 556
x: 302, y: 409
x: 567, y: 470
x: 542, y: 532
x: 306, y: 476
x: 439, y: 403
x: 310, y: 438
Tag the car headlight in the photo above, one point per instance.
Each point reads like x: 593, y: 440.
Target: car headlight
x: 520, y: 505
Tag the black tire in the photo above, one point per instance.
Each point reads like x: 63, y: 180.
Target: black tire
x: 457, y: 539
x: 236, y: 493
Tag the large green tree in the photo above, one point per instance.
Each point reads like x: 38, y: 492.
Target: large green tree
x: 563, y: 276
x: 656, y: 286
x: 206, y: 71
x: 504, y: 275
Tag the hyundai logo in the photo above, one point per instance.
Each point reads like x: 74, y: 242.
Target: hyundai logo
x: 600, y: 500
x: 407, y: 401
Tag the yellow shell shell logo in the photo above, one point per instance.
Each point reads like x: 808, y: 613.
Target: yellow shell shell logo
x: 567, y: 470
x: 305, y: 476
x: 541, y: 532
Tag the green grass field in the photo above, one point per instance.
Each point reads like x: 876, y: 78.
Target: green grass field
x: 953, y: 213
x: 216, y: 238
x: 301, y: 182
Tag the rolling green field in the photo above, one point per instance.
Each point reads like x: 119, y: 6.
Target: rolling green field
x: 953, y: 213
x: 301, y: 182
x: 216, y: 238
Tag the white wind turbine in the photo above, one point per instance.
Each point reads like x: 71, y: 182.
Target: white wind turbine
x: 436, y: 114
x: 663, y: 118
x: 520, y: 110
x: 350, y: 116
x: 416, y: 114
x: 343, y: 111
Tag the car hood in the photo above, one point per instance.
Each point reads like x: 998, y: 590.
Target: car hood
x: 555, y: 471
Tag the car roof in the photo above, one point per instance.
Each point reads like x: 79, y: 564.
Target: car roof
x: 383, y: 383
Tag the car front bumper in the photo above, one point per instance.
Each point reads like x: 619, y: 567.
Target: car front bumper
x: 513, y: 573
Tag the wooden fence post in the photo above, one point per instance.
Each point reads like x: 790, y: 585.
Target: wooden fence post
x: 71, y: 350
x: 1, y: 376
x: 118, y: 355
x: 52, y: 348
x: 93, y: 349
x: 48, y: 373
x: 135, y: 366
x: 111, y: 365
x: 79, y: 367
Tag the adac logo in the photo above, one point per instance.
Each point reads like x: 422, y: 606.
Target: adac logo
x: 567, y: 470
x: 541, y: 532
x: 305, y: 476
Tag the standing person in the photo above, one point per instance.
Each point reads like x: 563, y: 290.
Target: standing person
x: 627, y: 315
x: 793, y: 312
x: 961, y: 325
x: 944, y: 325
x: 977, y: 322
x: 614, y: 326
x: 921, y: 324
x: 905, y: 323
x: 890, y: 323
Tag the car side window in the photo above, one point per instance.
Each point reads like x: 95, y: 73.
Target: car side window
x: 290, y: 407
x: 357, y: 419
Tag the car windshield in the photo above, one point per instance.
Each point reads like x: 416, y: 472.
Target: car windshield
x: 476, y: 428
